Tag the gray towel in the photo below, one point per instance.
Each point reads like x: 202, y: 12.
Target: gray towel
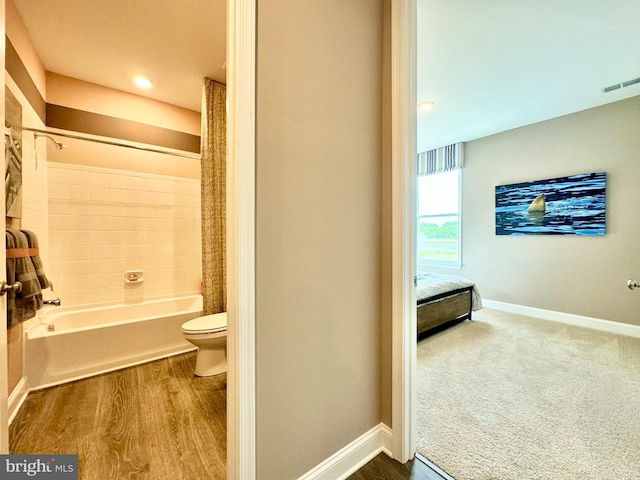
x: 32, y: 240
x: 23, y: 305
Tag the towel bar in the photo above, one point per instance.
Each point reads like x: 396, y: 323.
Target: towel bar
x: 22, y: 252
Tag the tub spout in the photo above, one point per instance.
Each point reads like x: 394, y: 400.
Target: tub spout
x: 55, y: 302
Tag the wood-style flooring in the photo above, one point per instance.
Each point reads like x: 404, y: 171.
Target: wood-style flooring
x: 152, y: 421
x: 155, y: 421
x: 384, y: 468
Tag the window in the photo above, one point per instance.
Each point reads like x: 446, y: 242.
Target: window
x: 439, y: 239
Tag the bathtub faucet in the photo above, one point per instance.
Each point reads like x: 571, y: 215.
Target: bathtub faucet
x: 55, y: 302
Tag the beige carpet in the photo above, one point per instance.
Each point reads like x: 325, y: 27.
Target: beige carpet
x: 509, y: 397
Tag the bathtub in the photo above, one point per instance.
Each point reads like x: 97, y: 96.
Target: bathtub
x: 71, y: 343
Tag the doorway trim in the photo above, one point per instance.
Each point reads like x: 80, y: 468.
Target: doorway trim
x: 4, y: 367
x: 403, y: 225
x: 241, y: 265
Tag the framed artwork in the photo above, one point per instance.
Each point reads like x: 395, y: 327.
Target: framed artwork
x: 13, y: 156
x: 572, y: 205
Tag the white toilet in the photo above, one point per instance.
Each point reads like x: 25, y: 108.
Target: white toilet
x: 209, y: 334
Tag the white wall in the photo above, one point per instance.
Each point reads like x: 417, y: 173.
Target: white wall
x: 319, y: 161
x: 578, y: 275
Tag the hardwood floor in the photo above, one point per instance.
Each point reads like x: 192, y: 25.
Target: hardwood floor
x: 151, y: 421
x: 384, y: 468
x: 155, y: 421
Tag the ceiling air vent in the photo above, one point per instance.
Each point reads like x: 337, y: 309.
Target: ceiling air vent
x: 631, y: 82
x: 616, y: 86
x: 611, y: 87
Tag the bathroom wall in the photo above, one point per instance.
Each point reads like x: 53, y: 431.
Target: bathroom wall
x: 95, y: 111
x: 113, y: 209
x: 136, y: 210
x: 104, y: 222
x: 25, y: 77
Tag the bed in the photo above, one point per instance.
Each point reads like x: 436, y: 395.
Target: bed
x: 442, y: 299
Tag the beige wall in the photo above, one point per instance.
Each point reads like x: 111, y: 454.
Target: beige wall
x: 318, y: 210
x: 385, y: 231
x: 578, y: 275
x: 17, y: 33
x: 81, y: 152
x: 89, y: 97
x: 74, y: 93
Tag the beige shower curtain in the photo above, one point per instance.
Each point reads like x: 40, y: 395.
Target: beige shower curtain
x: 213, y: 166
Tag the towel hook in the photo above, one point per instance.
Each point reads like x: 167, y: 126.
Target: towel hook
x: 5, y: 287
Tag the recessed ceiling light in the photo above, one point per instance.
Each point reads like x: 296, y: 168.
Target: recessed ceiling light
x: 426, y: 106
x: 142, y: 82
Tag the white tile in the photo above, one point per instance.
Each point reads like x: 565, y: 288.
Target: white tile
x: 78, y: 192
x: 57, y: 175
x: 98, y: 194
x: 139, y: 184
x: 102, y: 252
x: 117, y: 180
x: 116, y: 195
x: 98, y: 223
x: 98, y: 179
x: 68, y: 238
x: 68, y: 222
x: 78, y: 177
x: 98, y: 209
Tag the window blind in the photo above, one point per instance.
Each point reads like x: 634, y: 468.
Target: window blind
x: 441, y: 159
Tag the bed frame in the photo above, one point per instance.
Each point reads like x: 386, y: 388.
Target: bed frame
x: 444, y: 308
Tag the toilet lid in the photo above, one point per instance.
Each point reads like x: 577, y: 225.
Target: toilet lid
x: 206, y: 324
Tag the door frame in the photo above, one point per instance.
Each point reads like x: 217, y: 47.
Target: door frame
x: 241, y: 265
x: 403, y: 226
x: 4, y: 366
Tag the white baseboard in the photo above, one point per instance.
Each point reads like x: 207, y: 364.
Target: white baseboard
x: 568, y: 318
x: 348, y: 460
x: 17, y: 398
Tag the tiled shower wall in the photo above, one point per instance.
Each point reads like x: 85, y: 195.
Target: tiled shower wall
x: 103, y: 223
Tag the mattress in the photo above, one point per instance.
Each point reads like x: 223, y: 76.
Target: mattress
x: 434, y: 284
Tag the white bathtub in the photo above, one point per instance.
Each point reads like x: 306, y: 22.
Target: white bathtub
x: 89, y: 341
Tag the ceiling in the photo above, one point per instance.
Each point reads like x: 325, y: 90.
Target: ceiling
x: 493, y: 65
x: 489, y: 65
x: 173, y: 43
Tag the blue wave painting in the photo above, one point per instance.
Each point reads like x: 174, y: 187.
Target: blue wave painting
x: 559, y: 206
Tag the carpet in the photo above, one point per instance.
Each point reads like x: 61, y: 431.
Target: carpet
x: 509, y: 397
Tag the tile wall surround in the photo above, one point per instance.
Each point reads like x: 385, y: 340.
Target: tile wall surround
x: 104, y: 222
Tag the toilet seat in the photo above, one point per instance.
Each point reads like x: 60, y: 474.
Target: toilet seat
x: 207, y: 324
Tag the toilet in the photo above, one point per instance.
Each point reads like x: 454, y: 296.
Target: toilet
x: 209, y: 334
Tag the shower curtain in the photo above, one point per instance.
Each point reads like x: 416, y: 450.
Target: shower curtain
x: 213, y: 170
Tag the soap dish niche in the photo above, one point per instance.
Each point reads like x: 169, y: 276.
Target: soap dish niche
x: 134, y: 276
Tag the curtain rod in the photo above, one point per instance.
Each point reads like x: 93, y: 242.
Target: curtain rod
x: 116, y: 144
